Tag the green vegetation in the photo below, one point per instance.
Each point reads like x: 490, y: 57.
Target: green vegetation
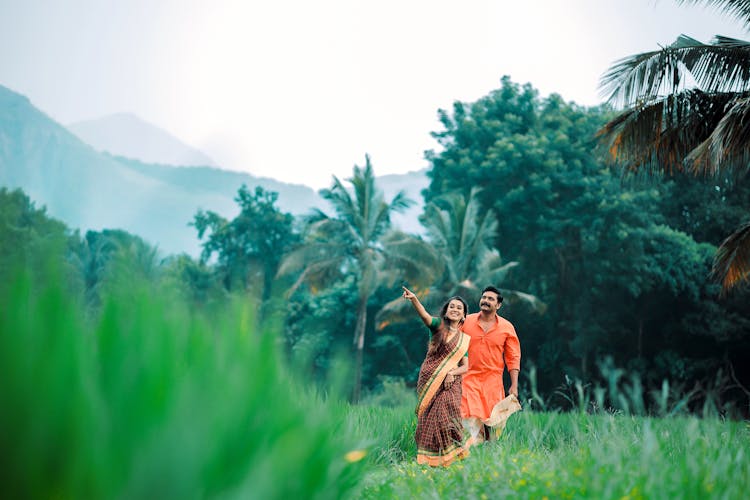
x: 126, y: 373
x: 358, y: 242
x: 150, y: 399
x: 685, y: 109
x: 552, y: 455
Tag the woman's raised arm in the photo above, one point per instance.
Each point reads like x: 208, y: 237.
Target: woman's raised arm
x: 409, y: 295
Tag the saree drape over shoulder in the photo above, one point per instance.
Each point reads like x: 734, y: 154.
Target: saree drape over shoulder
x: 439, y: 436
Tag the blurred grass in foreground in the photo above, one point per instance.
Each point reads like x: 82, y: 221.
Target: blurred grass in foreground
x: 554, y: 455
x: 154, y: 400
x: 148, y: 398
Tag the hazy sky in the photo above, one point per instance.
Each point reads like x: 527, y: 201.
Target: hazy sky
x: 300, y: 90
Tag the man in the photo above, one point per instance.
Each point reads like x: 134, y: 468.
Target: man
x: 494, y: 346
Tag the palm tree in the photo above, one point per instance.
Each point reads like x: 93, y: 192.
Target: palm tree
x: 357, y: 241
x: 463, y: 235
x: 103, y: 257
x: 687, y: 108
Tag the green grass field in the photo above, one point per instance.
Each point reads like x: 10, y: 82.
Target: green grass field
x: 149, y: 398
x: 551, y: 455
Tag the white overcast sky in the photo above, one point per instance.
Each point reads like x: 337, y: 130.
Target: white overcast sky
x: 300, y: 90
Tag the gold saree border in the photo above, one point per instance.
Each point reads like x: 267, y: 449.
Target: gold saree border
x: 443, y: 458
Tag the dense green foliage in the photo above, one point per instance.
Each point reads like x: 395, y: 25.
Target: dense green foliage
x: 685, y: 109
x: 249, y: 248
x: 595, y: 266
x: 618, y: 279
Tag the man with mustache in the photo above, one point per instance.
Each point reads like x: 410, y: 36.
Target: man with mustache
x: 494, y: 346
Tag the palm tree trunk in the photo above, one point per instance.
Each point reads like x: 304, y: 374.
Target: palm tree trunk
x: 359, y: 344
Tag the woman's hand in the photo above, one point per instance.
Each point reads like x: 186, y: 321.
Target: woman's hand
x: 408, y: 294
x: 448, y: 380
x: 423, y: 314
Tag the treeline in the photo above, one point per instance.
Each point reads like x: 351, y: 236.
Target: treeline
x: 606, y: 277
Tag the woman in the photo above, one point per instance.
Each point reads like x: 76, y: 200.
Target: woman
x: 439, y: 436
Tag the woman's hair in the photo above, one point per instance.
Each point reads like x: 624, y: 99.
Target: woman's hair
x: 438, y: 338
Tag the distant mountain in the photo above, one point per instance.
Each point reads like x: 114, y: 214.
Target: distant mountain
x: 91, y: 190
x: 124, y: 134
x: 88, y: 189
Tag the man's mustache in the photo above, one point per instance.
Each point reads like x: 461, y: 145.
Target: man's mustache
x: 484, y: 304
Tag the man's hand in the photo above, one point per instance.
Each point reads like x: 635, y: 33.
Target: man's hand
x: 513, y: 390
x: 513, y: 382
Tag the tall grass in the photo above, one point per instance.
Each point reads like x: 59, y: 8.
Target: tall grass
x: 624, y: 392
x: 154, y: 400
x: 554, y: 455
x: 148, y: 398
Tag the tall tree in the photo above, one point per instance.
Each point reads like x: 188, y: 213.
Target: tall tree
x: 670, y: 125
x: 587, y: 245
x: 355, y: 242
x: 28, y: 236
x: 249, y: 248
x: 111, y: 257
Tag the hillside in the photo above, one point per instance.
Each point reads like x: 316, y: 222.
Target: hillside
x: 91, y: 190
x: 124, y: 134
x: 88, y: 189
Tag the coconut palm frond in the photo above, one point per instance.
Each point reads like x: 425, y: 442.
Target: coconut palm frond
x: 337, y: 194
x: 648, y: 75
x: 303, y: 256
x: 396, y: 311
x: 399, y: 310
x: 659, y: 135
x: 315, y: 215
x: 484, y: 236
x: 317, y: 274
x: 411, y: 258
x: 437, y: 225
x: 368, y: 198
x: 721, y: 66
x: 467, y: 289
x: 401, y: 202
x: 495, y: 269
x: 729, y: 42
x: 379, y: 220
x: 739, y: 9
x: 514, y: 296
x: 732, y: 261
x: 728, y: 146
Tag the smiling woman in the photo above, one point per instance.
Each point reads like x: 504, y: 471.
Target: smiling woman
x: 439, y: 434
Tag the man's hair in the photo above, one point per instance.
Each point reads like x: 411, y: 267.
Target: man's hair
x: 494, y: 290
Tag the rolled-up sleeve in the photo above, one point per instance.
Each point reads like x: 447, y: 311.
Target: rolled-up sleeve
x: 512, y: 351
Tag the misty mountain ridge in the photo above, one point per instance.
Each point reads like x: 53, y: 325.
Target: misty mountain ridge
x: 88, y: 189
x: 125, y: 134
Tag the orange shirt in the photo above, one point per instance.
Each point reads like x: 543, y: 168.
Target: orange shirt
x: 489, y: 353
